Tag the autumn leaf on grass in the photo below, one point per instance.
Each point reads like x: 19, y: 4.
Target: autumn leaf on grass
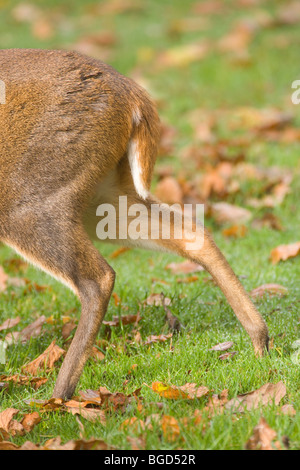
x: 67, y: 329
x: 55, y: 444
x: 216, y: 403
x: 170, y: 427
x: 35, y: 382
x: 125, y: 320
x: 10, y: 427
x: 224, y: 212
x: 90, y: 414
x: 46, y: 360
x: 263, y: 438
x: 222, y: 346
x: 182, y: 56
x: 84, y: 409
x: 10, y: 323
x: 3, y: 279
x: 265, y: 395
x: 237, y: 40
x: 284, y: 252
x: 157, y: 339
x: 158, y: 300
x: 270, y: 289
x: 117, y: 399
x: 228, y: 355
x: 188, y: 391
x: 235, y: 231
x: 186, y: 267
x: 119, y: 252
x: 31, y: 331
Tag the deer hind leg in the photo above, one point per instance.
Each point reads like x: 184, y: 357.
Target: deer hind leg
x: 208, y: 255
x: 60, y: 246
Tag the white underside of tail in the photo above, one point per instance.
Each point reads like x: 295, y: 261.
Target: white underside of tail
x: 136, y: 170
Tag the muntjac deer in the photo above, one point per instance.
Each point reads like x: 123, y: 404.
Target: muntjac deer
x: 75, y: 134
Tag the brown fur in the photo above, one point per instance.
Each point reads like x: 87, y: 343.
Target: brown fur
x: 64, y: 136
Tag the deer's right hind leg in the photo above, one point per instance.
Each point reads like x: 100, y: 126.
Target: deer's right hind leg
x: 60, y: 246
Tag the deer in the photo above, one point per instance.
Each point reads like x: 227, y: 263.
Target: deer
x: 75, y: 134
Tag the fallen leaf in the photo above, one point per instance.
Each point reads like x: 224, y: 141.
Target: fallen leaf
x: 119, y: 252
x: 284, y: 252
x: 157, y: 339
x: 67, y: 329
x: 222, y: 346
x: 35, y: 382
x: 3, y: 279
x: 224, y: 213
x: 263, y: 438
x: 8, y: 425
x: 125, y: 320
x: 31, y: 331
x: 235, y: 231
x: 90, y: 414
x: 188, y: 391
x: 288, y: 410
x: 46, y: 360
x: 10, y: 323
x: 30, y: 421
x: 265, y: 395
x: 159, y: 300
x: 228, y: 355
x: 170, y: 427
x: 270, y: 289
x: 186, y: 267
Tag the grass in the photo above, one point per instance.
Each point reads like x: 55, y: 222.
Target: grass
x: 208, y: 320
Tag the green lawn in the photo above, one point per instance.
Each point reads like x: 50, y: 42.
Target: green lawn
x: 214, y: 82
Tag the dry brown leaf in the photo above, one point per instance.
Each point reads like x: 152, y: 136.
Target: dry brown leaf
x: 35, y: 382
x: 182, y: 56
x: 3, y: 279
x: 30, y: 421
x: 186, y: 267
x: 235, y: 231
x: 125, y: 319
x: 263, y: 438
x: 265, y: 395
x: 216, y: 403
x: 97, y: 354
x: 137, y: 443
x: 90, y: 414
x: 270, y: 289
x: 119, y: 252
x: 224, y: 213
x: 228, y: 355
x: 55, y: 444
x: 188, y: 391
x: 67, y: 329
x: 170, y: 427
x: 159, y: 300
x: 222, y: 346
x: 10, y: 323
x: 31, y: 331
x: 157, y: 339
x: 284, y: 252
x: 237, y: 40
x: 288, y: 410
x: 46, y: 360
x: 8, y: 425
